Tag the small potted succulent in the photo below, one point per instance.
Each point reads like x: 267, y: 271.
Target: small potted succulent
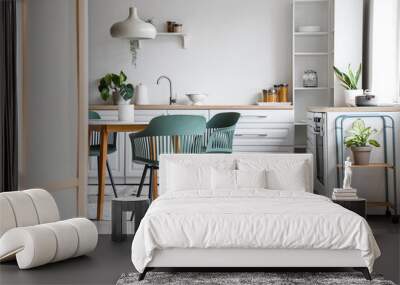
x: 360, y: 142
x: 350, y: 81
x: 115, y: 86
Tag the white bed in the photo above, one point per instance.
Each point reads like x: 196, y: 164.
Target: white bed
x: 226, y: 218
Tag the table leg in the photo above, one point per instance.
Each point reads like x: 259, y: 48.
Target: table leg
x: 155, y: 185
x: 102, y: 172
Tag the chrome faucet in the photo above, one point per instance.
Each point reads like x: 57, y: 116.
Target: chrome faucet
x: 171, y: 100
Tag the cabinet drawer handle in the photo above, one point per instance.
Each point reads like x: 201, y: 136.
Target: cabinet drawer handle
x: 251, y: 135
x: 255, y: 116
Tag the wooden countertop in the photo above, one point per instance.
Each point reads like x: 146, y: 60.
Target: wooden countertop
x: 354, y: 109
x: 194, y: 107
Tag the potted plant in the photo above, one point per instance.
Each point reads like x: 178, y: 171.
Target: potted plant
x: 350, y: 81
x: 360, y: 142
x: 115, y: 86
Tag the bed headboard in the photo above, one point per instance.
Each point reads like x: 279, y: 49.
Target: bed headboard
x: 285, y: 163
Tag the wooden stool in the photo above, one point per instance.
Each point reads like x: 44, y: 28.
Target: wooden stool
x: 138, y: 205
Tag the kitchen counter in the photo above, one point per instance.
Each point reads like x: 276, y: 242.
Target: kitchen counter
x: 354, y: 109
x: 194, y: 107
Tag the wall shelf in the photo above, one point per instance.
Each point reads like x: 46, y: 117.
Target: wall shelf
x: 310, y: 1
x: 310, y: 53
x: 184, y: 37
x: 311, y: 33
x: 310, y: 88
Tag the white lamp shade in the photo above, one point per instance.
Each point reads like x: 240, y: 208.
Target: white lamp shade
x: 133, y: 28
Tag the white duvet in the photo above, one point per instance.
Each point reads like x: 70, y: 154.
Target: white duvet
x: 250, y: 219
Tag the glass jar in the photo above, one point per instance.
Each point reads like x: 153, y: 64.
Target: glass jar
x: 283, y: 93
x: 310, y: 78
x: 272, y: 95
x: 178, y: 28
x: 264, y: 95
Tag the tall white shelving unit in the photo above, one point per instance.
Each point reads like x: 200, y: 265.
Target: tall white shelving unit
x: 311, y: 50
x: 339, y: 43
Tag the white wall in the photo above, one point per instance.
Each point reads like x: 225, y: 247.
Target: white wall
x: 236, y: 48
x: 49, y: 101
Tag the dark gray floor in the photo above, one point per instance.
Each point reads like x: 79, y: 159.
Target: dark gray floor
x: 110, y: 260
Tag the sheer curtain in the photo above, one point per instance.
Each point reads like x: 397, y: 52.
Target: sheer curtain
x: 384, y: 50
x: 8, y: 98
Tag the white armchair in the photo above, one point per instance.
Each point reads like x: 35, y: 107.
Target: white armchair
x: 31, y: 230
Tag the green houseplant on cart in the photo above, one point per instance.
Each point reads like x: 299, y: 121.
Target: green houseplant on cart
x: 115, y: 86
x: 361, y: 142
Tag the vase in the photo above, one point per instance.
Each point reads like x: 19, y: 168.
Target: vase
x: 361, y: 154
x: 350, y: 96
x: 118, y: 100
x: 126, y: 112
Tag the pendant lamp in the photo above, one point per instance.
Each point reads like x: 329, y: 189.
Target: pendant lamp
x: 133, y: 29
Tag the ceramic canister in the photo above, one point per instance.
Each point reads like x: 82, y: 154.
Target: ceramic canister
x: 141, y: 97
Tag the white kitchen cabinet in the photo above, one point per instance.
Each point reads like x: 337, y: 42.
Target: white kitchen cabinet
x: 263, y: 130
x: 115, y: 160
x: 203, y: 113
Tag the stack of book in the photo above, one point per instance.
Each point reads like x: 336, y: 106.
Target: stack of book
x: 344, y: 194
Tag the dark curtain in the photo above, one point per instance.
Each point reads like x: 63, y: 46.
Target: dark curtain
x: 8, y: 97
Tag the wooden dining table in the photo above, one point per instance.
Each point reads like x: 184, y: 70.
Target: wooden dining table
x: 105, y: 127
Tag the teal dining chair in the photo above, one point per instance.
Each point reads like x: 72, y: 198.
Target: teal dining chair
x: 94, y: 148
x: 220, y: 132
x: 164, y: 135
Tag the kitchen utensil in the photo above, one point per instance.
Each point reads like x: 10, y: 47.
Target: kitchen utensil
x: 368, y: 99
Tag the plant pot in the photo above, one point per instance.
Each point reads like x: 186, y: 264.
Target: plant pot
x: 118, y: 100
x: 361, y: 155
x: 126, y: 112
x: 350, y: 96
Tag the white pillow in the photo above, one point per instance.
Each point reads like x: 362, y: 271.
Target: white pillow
x: 223, y: 179
x: 188, y: 177
x: 251, y: 178
x: 281, y: 174
x: 291, y: 179
x: 227, y: 179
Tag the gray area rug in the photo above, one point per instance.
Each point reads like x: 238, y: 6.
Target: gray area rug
x: 229, y: 278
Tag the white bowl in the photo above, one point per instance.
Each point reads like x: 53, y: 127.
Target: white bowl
x: 309, y: 29
x: 197, y: 99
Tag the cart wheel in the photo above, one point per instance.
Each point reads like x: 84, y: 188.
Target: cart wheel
x: 395, y: 219
x: 388, y: 213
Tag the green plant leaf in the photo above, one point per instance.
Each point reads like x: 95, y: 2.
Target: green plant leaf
x: 108, y: 78
x: 358, y: 74
x: 115, y: 80
x: 374, y: 143
x: 105, y: 94
x: 351, y: 76
x: 122, y: 77
x: 126, y: 91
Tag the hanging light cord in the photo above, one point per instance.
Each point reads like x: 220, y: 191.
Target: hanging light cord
x: 133, y: 49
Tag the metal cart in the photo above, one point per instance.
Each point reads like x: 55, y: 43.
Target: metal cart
x: 388, y: 164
